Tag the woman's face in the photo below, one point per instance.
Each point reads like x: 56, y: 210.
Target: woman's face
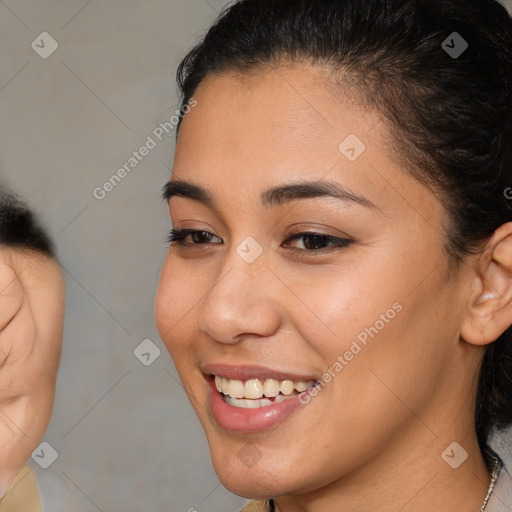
x: 371, y: 313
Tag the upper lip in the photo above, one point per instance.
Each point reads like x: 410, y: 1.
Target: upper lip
x: 246, y: 372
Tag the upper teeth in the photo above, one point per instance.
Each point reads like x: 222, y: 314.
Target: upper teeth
x: 254, y: 388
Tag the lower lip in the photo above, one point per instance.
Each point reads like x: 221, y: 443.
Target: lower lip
x: 236, y: 419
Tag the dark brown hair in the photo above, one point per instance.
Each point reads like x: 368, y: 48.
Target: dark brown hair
x: 19, y: 227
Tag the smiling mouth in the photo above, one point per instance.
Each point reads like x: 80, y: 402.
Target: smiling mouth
x: 256, y: 393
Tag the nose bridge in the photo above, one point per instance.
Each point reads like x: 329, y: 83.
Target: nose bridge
x: 240, y: 300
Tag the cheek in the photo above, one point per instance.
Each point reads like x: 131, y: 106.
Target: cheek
x: 395, y: 353
x: 179, y: 294
x: 331, y: 307
x: 376, y: 334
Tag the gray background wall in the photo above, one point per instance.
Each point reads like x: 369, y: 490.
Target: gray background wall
x: 125, y: 433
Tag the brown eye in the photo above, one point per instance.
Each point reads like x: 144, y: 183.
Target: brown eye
x: 178, y: 237
x: 318, y: 242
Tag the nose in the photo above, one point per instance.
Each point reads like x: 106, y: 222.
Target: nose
x: 242, y: 303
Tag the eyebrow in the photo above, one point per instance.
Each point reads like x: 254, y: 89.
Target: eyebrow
x: 272, y: 197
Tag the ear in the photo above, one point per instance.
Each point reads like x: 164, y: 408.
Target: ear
x: 490, y: 304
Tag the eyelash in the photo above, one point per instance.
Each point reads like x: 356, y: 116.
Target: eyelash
x: 177, y: 237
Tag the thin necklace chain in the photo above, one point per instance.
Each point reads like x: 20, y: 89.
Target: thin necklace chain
x: 494, y: 476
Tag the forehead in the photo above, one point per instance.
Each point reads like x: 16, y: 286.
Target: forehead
x: 279, y: 107
x: 269, y: 125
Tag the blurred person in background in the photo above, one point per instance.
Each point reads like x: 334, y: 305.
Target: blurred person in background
x: 32, y: 296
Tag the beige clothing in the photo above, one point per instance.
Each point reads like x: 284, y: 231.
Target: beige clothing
x: 257, y: 506
x: 36, y: 490
x: 23, y: 495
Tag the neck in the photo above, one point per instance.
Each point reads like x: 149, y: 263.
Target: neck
x: 410, y: 476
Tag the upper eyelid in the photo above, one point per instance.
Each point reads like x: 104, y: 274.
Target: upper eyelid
x: 184, y: 232
x: 296, y: 234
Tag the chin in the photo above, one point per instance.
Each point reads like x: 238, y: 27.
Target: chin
x: 252, y: 485
x: 251, y: 479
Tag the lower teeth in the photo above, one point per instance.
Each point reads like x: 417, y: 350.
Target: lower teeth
x: 248, y: 403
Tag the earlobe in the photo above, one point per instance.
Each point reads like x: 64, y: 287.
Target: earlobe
x: 490, y: 309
